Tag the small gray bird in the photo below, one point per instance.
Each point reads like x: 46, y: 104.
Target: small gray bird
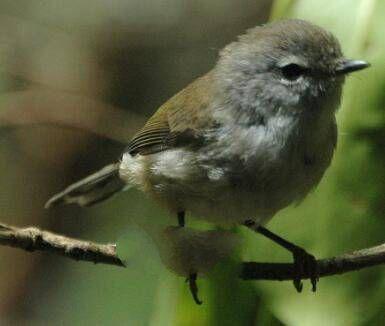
x: 252, y: 136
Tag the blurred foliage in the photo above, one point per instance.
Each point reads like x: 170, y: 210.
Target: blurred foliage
x: 136, y: 55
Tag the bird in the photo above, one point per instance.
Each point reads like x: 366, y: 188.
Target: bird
x: 252, y: 136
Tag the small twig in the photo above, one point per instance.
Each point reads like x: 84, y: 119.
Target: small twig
x: 32, y: 238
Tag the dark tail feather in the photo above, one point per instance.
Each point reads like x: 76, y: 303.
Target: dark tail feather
x: 92, y: 189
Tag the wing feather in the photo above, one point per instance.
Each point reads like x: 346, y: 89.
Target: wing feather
x: 178, y: 122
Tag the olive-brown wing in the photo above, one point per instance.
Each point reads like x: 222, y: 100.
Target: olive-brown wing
x: 179, y: 122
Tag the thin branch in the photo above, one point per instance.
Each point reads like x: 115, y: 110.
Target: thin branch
x: 330, y: 266
x: 32, y: 238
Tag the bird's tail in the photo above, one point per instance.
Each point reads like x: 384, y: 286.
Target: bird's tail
x: 92, y: 189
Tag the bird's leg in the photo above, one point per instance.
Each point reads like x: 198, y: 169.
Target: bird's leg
x: 181, y: 221
x: 304, y: 263
x: 192, y: 280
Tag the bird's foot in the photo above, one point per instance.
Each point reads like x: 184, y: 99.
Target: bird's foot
x: 192, y: 280
x: 305, y: 264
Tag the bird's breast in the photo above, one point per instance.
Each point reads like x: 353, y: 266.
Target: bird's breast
x: 275, y: 163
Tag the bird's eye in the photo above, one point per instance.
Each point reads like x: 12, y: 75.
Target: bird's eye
x: 292, y: 71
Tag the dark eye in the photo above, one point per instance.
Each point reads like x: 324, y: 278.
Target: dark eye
x: 292, y: 71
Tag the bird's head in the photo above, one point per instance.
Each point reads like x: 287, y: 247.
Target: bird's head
x: 291, y: 65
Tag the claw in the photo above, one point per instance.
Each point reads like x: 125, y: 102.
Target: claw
x: 298, y: 285
x: 192, y: 280
x: 304, y: 264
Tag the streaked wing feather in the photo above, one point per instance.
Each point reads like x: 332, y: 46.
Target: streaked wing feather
x: 177, y: 122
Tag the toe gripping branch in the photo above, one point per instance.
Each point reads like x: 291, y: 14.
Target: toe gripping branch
x: 305, y: 264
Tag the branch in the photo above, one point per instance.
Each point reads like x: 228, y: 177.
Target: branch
x: 32, y: 238
x: 330, y: 266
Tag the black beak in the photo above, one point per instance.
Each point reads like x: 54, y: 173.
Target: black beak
x: 348, y: 66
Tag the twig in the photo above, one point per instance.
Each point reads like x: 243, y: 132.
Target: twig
x: 32, y: 238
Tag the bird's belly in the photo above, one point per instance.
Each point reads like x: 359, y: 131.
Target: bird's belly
x: 230, y: 192
x: 250, y: 197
